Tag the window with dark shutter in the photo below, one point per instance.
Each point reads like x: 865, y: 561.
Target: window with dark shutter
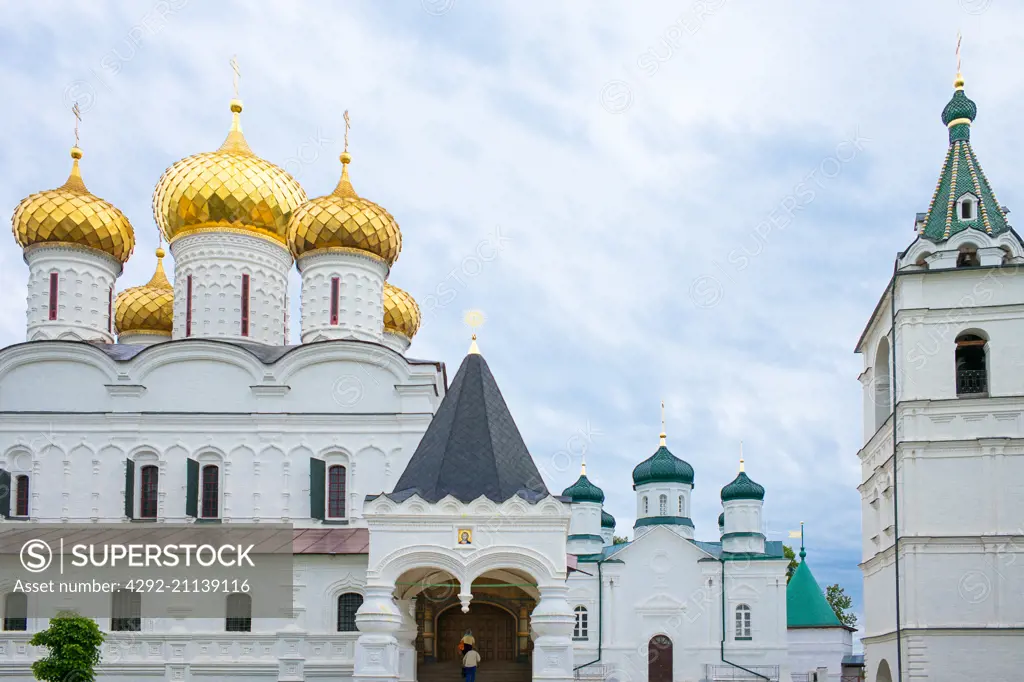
x: 211, y: 491
x: 149, y: 480
x: 336, y: 492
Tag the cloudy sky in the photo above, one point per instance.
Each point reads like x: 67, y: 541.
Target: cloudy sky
x: 695, y: 201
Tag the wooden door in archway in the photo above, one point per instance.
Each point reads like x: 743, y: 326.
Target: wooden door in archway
x: 659, y: 659
x: 493, y: 628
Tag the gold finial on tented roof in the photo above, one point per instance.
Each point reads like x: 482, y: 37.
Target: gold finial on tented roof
x: 662, y: 437
x: 958, y: 83
x: 474, y: 319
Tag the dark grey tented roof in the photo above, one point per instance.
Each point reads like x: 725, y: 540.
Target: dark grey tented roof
x: 472, y: 447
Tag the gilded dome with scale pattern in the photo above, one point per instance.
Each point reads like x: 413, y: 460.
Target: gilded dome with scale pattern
x: 147, y: 309
x: 71, y: 214
x: 230, y: 189
x: 401, y: 312
x: 344, y: 220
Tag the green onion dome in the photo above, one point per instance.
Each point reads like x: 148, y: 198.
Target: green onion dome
x: 607, y: 520
x: 721, y: 520
x: 742, y: 488
x: 584, y: 491
x: 960, y: 107
x: 662, y: 467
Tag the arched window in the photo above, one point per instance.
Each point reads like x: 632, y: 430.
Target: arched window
x: 644, y: 504
x: 16, y: 612
x: 743, y: 622
x: 663, y: 505
x: 239, y: 613
x: 680, y: 505
x: 967, y: 207
x: 879, y: 392
x: 21, y: 495
x: 211, y: 491
x: 336, y: 492
x: 149, y: 479
x: 348, y: 604
x: 971, y: 369
x: 581, y: 629
x: 126, y: 615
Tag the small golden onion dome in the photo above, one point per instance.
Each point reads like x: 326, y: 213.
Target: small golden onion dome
x: 344, y: 220
x: 229, y: 189
x: 147, y: 309
x: 401, y: 312
x: 71, y: 214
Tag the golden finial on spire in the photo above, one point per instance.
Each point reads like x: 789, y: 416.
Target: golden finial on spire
x: 474, y: 319
x: 583, y: 465
x: 662, y: 436
x: 741, y: 457
x: 958, y: 83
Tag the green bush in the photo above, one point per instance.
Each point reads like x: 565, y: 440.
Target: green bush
x: 74, y: 644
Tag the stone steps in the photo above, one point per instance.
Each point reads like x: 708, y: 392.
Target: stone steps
x: 488, y: 672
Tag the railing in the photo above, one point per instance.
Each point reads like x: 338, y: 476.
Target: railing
x: 971, y: 381
x: 728, y: 673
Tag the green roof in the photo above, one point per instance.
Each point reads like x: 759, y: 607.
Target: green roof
x: 607, y: 520
x: 806, y: 606
x: 742, y: 488
x: 662, y: 467
x: 961, y: 174
x: 584, y: 491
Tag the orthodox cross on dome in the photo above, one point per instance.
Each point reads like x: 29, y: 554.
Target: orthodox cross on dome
x: 237, y: 74
x: 958, y: 72
x: 348, y: 126
x: 661, y: 437
x: 78, y: 119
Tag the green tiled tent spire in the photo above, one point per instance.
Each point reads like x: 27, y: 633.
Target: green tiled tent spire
x: 806, y: 606
x: 961, y: 174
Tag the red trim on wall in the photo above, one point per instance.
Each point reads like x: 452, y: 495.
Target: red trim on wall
x: 245, y: 305
x: 188, y: 306
x: 335, y: 286
x: 54, y: 283
x: 110, y: 311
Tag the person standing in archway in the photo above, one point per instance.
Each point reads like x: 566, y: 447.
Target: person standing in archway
x: 470, y: 660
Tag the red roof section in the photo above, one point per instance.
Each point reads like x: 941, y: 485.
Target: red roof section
x: 331, y: 541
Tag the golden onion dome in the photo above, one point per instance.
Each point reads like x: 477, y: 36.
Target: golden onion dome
x: 71, y: 214
x: 229, y: 189
x: 147, y: 309
x: 401, y: 312
x: 344, y: 220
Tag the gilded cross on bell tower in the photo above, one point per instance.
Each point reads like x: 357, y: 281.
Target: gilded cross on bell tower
x: 237, y: 74
x: 348, y: 126
x: 78, y: 119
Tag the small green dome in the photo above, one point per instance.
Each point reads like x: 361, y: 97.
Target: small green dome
x: 721, y: 520
x: 584, y: 491
x: 662, y: 467
x: 961, y: 106
x: 607, y: 520
x: 742, y: 488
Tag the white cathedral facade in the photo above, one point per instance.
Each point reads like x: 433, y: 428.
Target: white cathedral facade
x: 417, y: 509
x: 943, y: 457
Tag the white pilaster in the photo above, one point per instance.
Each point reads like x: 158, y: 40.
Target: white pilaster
x: 407, y: 641
x: 360, y: 291
x: 85, y: 280
x: 217, y: 262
